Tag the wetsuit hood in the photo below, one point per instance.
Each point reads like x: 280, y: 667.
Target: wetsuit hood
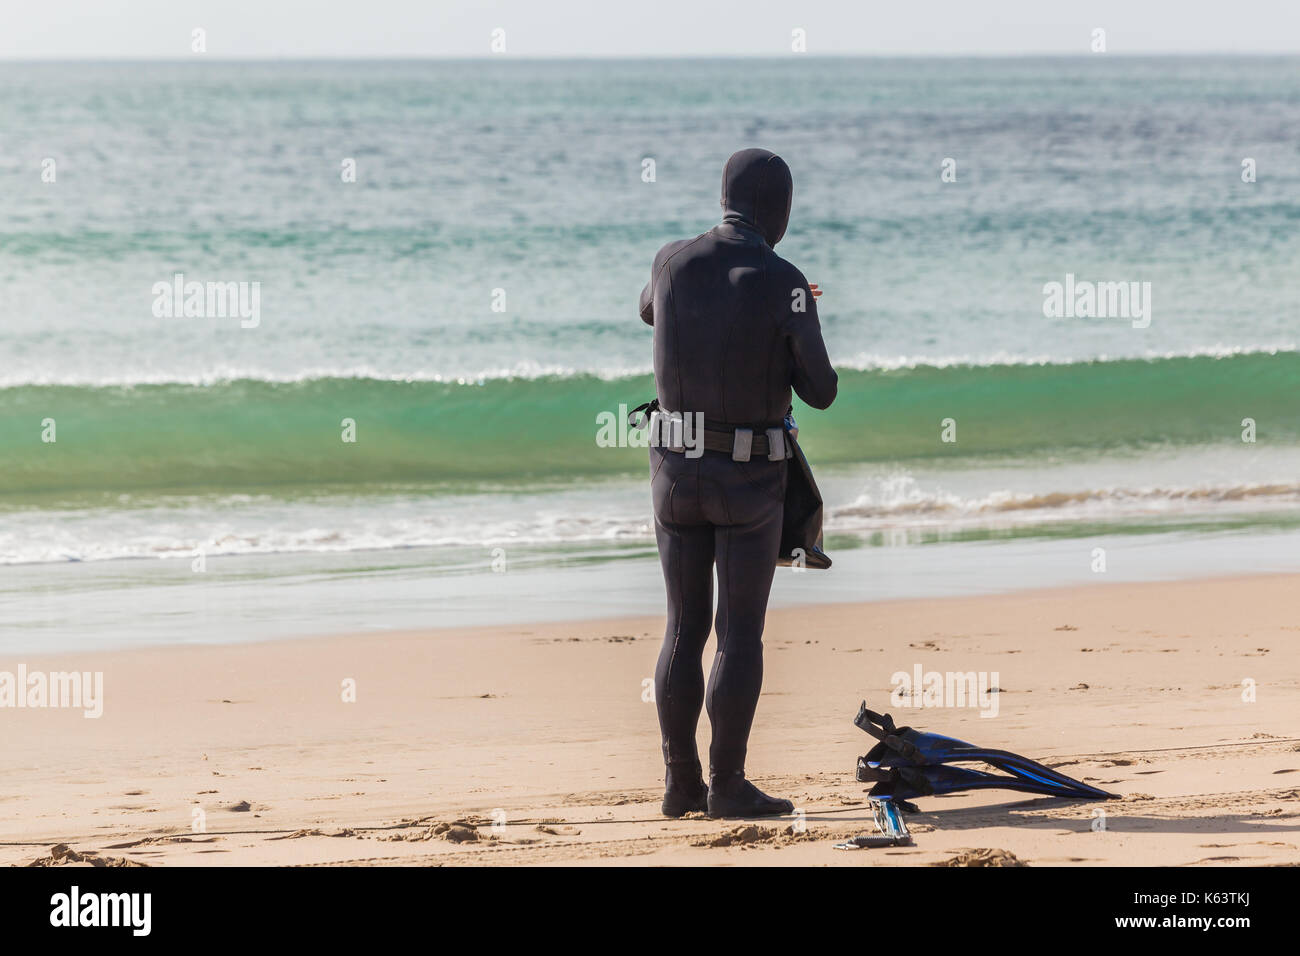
x: 756, y: 190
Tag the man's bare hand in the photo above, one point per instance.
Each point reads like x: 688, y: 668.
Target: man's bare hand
x: 817, y: 292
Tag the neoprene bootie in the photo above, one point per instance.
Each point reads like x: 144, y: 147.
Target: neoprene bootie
x: 684, y: 790
x: 731, y: 795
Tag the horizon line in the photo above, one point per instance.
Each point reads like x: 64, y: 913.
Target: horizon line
x: 562, y: 57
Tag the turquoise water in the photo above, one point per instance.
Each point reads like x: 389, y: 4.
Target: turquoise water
x: 476, y: 429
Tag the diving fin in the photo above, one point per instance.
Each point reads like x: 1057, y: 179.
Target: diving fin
x: 908, y: 763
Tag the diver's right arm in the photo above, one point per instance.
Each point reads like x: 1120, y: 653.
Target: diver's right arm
x: 657, y: 273
x: 648, y: 293
x: 648, y: 302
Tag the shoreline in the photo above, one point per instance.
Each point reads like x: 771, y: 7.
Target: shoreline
x: 88, y: 607
x: 640, y: 619
x: 1132, y: 687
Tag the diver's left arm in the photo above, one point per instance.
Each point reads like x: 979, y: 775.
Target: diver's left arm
x: 814, y: 378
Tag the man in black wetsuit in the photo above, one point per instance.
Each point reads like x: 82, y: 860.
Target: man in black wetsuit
x: 735, y: 328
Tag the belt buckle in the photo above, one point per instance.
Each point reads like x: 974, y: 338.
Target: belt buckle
x: 741, y: 444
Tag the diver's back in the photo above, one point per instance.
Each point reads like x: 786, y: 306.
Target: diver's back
x: 718, y: 349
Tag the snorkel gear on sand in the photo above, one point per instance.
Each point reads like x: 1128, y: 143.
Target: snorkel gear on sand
x: 908, y: 763
x: 891, y: 829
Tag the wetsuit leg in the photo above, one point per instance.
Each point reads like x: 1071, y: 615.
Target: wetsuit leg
x: 746, y: 554
x: 686, y: 544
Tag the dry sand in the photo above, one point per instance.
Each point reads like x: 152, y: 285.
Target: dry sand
x: 543, y: 731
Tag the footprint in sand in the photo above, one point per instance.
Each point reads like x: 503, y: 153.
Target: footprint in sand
x: 983, y: 856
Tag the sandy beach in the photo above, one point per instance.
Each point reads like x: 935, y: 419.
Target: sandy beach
x: 538, y: 745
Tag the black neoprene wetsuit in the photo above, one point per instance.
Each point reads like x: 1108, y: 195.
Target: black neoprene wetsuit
x: 735, y: 328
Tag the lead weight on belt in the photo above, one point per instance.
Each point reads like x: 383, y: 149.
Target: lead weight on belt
x: 741, y: 444
x: 776, y: 444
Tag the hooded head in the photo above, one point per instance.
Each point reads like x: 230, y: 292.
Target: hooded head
x: 756, y: 189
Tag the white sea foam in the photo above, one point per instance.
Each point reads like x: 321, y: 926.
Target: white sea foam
x: 29, y: 374
x: 901, y: 501
x: 611, y: 514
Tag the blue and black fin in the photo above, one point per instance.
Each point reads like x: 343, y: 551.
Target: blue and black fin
x: 908, y: 763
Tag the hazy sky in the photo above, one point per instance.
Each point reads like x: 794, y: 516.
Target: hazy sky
x: 308, y: 28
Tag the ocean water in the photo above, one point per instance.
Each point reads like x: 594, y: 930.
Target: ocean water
x: 469, y: 304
